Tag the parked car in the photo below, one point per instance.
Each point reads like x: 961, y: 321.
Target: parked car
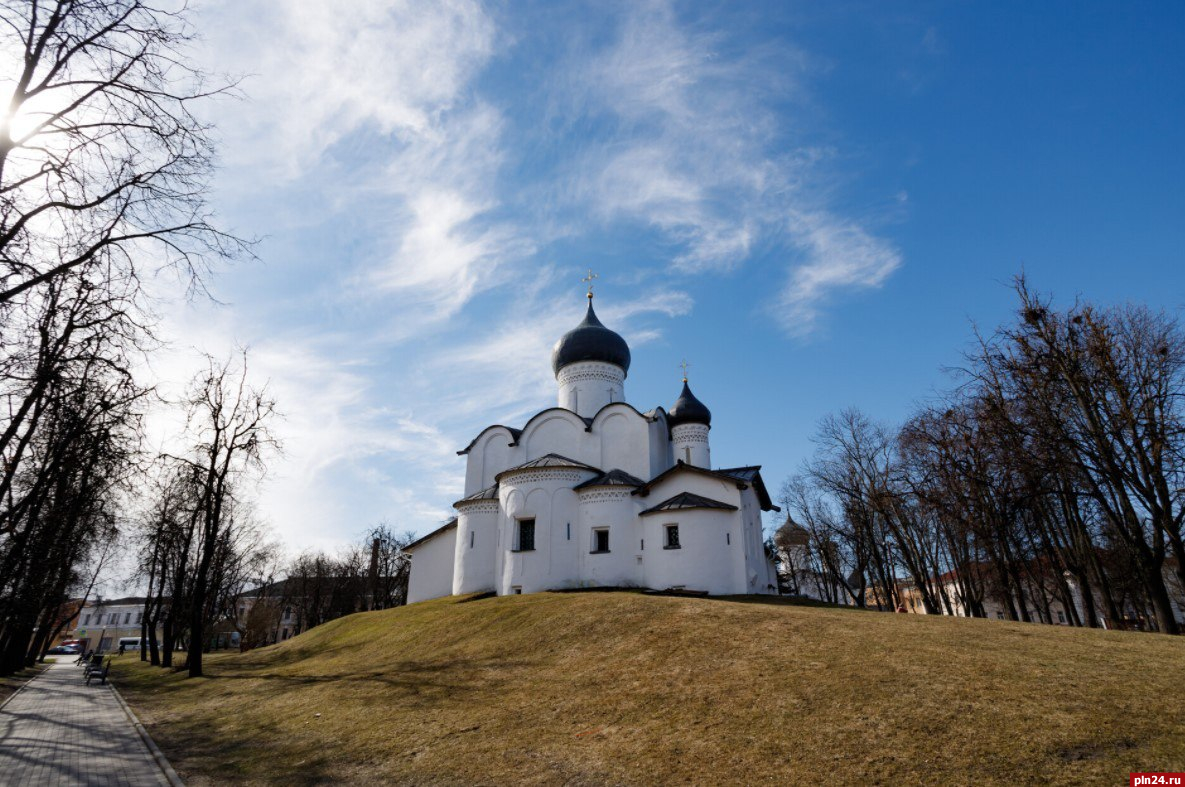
x: 65, y: 650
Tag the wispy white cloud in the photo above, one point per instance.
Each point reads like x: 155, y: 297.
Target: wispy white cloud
x: 839, y: 255
x: 317, y: 72
x: 375, y: 107
x: 697, y: 153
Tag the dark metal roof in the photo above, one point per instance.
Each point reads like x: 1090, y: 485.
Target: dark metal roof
x: 446, y: 526
x: 689, y: 410
x: 489, y: 493
x: 752, y: 475
x: 612, y: 478
x: 742, y: 476
x: 549, y: 460
x: 590, y: 341
x: 515, y: 434
x: 686, y: 500
x: 124, y: 601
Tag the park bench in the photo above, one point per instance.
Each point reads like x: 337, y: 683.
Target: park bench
x: 101, y: 674
x: 95, y: 662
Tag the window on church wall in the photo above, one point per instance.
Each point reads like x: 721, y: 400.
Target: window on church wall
x: 687, y: 454
x: 472, y: 536
x: 600, y: 539
x: 526, y: 536
x: 671, y: 537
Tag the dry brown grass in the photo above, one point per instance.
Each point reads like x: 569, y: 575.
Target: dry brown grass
x: 622, y: 688
x: 11, y: 684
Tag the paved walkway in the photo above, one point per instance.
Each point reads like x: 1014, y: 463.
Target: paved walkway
x: 59, y: 731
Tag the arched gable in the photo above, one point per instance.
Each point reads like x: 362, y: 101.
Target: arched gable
x: 487, y: 455
x: 623, y: 435
x: 557, y: 431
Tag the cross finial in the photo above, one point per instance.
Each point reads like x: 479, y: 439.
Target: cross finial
x: 589, y: 278
x: 685, y: 364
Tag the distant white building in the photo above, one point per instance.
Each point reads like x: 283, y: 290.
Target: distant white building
x: 102, y: 623
x: 595, y: 493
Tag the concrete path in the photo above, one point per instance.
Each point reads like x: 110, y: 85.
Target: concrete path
x: 59, y: 731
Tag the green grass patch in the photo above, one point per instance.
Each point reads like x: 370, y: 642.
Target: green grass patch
x: 625, y: 688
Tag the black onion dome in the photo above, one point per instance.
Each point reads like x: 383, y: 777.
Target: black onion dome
x: 688, y: 410
x: 590, y: 341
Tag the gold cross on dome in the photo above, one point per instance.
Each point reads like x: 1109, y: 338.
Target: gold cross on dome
x: 589, y: 278
x: 685, y: 364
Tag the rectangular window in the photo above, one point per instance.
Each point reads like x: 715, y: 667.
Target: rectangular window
x: 1061, y: 616
x: 569, y: 531
x: 139, y: 618
x: 86, y: 620
x: 672, y: 536
x: 526, y: 535
x: 728, y: 538
x: 517, y: 590
x: 472, y: 536
x: 127, y: 618
x: 600, y: 539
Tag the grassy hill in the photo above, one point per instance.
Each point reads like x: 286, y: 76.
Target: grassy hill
x: 623, y: 688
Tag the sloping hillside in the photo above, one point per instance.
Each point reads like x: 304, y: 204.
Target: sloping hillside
x: 623, y: 688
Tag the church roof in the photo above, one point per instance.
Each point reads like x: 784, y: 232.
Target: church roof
x: 489, y: 493
x: 590, y: 341
x: 743, y: 476
x: 688, y: 410
x: 548, y: 460
x: 515, y: 434
x: 443, y: 528
x: 612, y: 478
x: 686, y: 500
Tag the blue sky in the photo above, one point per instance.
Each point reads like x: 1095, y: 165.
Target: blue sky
x: 811, y: 202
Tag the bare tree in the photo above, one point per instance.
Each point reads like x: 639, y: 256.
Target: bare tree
x: 103, y: 163
x: 230, y: 423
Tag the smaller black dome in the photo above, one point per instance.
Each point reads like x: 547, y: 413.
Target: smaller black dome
x: 688, y: 410
x: 590, y: 341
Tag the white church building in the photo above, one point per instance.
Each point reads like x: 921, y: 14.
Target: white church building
x: 595, y: 493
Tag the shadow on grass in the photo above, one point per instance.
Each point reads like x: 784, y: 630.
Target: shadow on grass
x: 788, y: 601
x: 194, y: 739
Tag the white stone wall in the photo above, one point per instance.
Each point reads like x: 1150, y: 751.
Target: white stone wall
x: 546, y: 496
x: 588, y: 386
x: 432, y: 567
x: 476, y: 547
x: 708, y: 557
x: 690, y: 442
x: 614, y: 509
